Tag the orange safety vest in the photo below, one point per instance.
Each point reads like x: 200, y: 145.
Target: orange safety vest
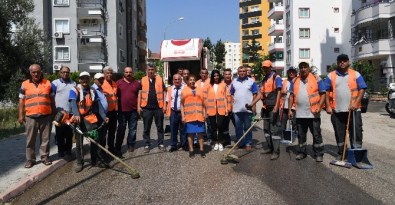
x: 352, y: 85
x: 37, y: 99
x: 193, y: 104
x: 312, y: 92
x: 158, y: 89
x: 110, y: 91
x: 169, y: 99
x: 84, y: 104
x: 205, y: 85
x: 268, y: 87
x: 215, y: 101
x: 229, y: 98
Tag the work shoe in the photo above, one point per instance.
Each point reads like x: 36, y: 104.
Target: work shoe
x: 130, y: 149
x: 248, y: 148
x: 267, y: 151
x: 173, y: 149
x: 78, y: 167
x: 220, y: 147
x: 162, y: 148
x: 319, y: 159
x: 46, y: 161
x: 300, y: 156
x: 274, y: 156
x: 191, y: 154
x: 30, y: 163
x: 146, y: 149
x: 103, y: 165
x: 216, y: 146
x: 202, y: 154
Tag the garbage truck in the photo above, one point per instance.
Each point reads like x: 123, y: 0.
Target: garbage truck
x: 183, y: 53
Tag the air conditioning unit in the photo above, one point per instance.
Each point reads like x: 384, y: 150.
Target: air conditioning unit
x: 56, y: 66
x: 58, y: 35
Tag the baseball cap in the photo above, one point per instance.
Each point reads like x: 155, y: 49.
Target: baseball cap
x: 342, y: 57
x: 98, y: 76
x: 290, y: 69
x: 84, y: 73
x: 267, y: 63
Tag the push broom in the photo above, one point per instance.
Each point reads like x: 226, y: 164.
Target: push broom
x: 343, y: 163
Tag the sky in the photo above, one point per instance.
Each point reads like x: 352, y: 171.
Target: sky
x: 216, y: 19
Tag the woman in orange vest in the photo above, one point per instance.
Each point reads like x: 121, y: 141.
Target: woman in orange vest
x: 216, y: 108
x: 193, y: 114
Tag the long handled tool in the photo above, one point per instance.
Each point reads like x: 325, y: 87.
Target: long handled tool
x: 343, y: 163
x: 62, y: 118
x: 229, y: 157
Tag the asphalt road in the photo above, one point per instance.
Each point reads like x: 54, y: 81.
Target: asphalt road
x: 377, y: 106
x: 173, y: 178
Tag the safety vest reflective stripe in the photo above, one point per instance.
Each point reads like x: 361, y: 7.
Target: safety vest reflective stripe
x: 312, y: 92
x: 158, y: 88
x: 193, y: 104
x: 352, y: 85
x: 37, y: 99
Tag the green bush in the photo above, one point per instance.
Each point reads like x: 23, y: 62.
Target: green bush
x: 139, y: 75
x: 9, y: 124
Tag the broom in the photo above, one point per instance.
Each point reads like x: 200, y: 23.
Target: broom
x: 343, y: 163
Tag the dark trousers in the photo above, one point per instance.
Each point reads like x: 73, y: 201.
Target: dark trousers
x: 225, y: 123
x: 148, y: 116
x: 272, y: 129
x: 109, y: 130
x: 217, y: 128
x: 339, y: 122
x: 177, y: 127
x: 314, y: 125
x: 126, y: 118
x: 64, y: 138
x: 79, y: 153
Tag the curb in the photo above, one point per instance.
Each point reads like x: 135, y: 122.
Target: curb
x: 31, y: 180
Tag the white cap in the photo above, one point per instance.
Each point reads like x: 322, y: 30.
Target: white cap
x: 84, y: 73
x: 98, y: 76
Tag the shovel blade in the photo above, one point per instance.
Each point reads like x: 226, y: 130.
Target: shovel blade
x: 359, y: 158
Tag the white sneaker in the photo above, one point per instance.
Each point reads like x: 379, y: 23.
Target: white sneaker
x: 220, y: 147
x: 216, y: 146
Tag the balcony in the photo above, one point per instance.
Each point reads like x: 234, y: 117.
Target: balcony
x: 274, y: 1
x: 90, y: 67
x: 91, y: 9
x: 276, y: 30
x: 249, y: 3
x: 251, y: 25
x: 273, y: 47
x: 370, y: 12
x: 250, y: 14
x: 276, y: 12
x: 376, y: 49
x: 278, y: 64
x: 252, y: 36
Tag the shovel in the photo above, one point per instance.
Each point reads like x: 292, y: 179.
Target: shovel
x: 358, y: 157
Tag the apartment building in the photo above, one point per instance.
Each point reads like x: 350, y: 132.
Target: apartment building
x: 310, y: 31
x: 88, y: 35
x: 232, y: 57
x: 253, y: 29
x: 372, y: 26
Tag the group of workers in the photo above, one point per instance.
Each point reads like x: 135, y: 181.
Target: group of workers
x: 199, y: 109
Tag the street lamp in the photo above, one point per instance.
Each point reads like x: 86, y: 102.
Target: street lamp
x: 168, y: 25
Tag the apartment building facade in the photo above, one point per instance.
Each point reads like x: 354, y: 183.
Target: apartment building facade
x: 88, y: 35
x: 372, y: 25
x: 309, y: 31
x: 232, y: 57
x: 253, y: 29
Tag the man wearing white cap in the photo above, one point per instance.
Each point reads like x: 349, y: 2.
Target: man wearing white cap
x: 88, y: 113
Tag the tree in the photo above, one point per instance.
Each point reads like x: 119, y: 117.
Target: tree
x: 219, y: 54
x: 207, y: 43
x: 21, y: 47
x: 366, y: 69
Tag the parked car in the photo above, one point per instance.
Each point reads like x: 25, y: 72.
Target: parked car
x: 365, y: 102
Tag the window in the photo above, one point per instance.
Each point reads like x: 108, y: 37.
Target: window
x: 336, y: 50
x: 304, y: 53
x: 288, y: 18
x: 122, y: 58
x: 304, y: 13
x: 61, y: 2
x: 254, y: 8
x: 245, y: 21
x: 245, y: 44
x: 255, y: 20
x: 304, y: 33
x: 62, y: 25
x: 62, y: 53
x: 120, y: 6
x: 245, y: 9
x: 255, y: 32
x: 336, y: 30
x: 336, y: 10
x: 245, y: 32
x: 288, y: 60
x: 120, y: 31
x: 288, y: 41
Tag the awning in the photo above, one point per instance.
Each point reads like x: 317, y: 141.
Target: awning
x: 178, y: 50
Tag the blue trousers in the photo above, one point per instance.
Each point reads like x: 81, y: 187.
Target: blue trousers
x: 130, y: 118
x: 176, y: 126
x: 243, y: 122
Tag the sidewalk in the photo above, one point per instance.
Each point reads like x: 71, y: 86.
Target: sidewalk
x: 14, y: 177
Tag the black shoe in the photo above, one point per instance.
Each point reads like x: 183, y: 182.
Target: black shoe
x: 300, y: 156
x: 103, y: 165
x: 185, y: 148
x: 78, y: 167
x: 319, y: 159
x: 146, y: 149
x: 202, y: 154
x: 162, y: 148
x: 173, y: 149
x: 267, y: 151
x: 191, y: 154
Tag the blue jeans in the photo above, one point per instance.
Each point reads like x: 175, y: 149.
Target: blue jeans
x: 176, y: 126
x: 131, y: 119
x: 243, y: 122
